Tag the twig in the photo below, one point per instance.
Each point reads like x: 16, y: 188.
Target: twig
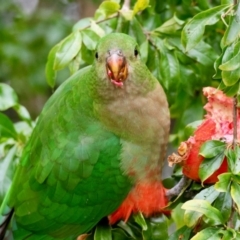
x: 126, y: 5
x: 177, y: 189
x: 100, y: 21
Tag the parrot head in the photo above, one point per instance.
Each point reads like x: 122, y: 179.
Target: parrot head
x: 115, y: 54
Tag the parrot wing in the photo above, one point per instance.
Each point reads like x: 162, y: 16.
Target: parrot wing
x: 69, y: 176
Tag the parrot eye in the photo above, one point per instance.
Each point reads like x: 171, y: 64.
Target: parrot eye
x: 136, y: 52
x: 96, y: 55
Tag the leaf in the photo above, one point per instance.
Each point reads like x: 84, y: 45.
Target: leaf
x: 235, y: 193
x: 210, y: 165
x: 232, y: 64
x: 139, y: 219
x: 231, y: 74
x: 97, y: 29
x: 126, y: 228
x: 183, y: 233
x: 228, y: 234
x: 67, y: 50
x: 170, y: 26
x: 22, y: 112
x: 208, y: 233
x: 224, y: 182
x: 8, y: 97
x: 102, y: 232
x: 204, y: 207
x: 209, y: 194
x: 106, y: 9
x: 140, y: 5
x: 75, y: 63
x: 157, y: 228
x: 7, y: 129
x: 212, y: 148
x: 144, y: 51
x: 49, y: 69
x: 233, y: 30
x: 224, y: 204
x: 169, y: 65
x: 203, y: 53
x: 90, y: 39
x: 119, y: 234
x: 193, y: 31
x: 5, y: 165
x: 233, y: 159
x: 82, y: 24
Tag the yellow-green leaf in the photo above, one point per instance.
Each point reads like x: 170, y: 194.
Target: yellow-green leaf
x: 140, y: 5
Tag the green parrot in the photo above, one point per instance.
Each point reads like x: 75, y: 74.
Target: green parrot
x: 97, y: 150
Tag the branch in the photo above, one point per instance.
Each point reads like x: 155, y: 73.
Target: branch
x: 179, y: 188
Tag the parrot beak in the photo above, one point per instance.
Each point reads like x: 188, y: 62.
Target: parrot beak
x: 116, y: 67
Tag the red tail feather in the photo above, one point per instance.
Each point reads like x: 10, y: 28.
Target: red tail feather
x: 148, y: 198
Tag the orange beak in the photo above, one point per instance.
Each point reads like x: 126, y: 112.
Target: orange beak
x: 116, y: 68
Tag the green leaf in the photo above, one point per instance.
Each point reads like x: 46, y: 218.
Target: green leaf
x: 204, y: 207
x: 193, y: 31
x: 230, y: 75
x: 191, y: 127
x: 140, y: 5
x: 7, y: 129
x: 170, y: 26
x: 75, y: 63
x: 119, y: 234
x: 224, y: 204
x: 230, y: 91
x: 235, y: 193
x: 203, y: 53
x: 49, y: 69
x: 90, y: 39
x: 67, y: 50
x: 209, y: 194
x: 233, y: 30
x: 144, y: 51
x: 212, y: 148
x: 139, y: 219
x: 106, y: 9
x: 8, y: 97
x: 232, y: 64
x: 210, y: 165
x: 233, y: 156
x: 97, y: 29
x: 224, y: 182
x: 127, y: 229
x: 228, y: 234
x: 102, y: 232
x: 169, y: 65
x: 22, y: 112
x: 5, y: 166
x: 157, y: 228
x: 208, y: 234
x: 82, y: 24
x: 183, y: 233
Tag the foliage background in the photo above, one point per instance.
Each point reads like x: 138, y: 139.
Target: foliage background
x: 184, y: 65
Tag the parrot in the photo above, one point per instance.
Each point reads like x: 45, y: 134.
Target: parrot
x: 96, y: 151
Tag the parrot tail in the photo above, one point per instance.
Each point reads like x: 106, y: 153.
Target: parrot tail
x: 148, y: 198
x: 4, y: 221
